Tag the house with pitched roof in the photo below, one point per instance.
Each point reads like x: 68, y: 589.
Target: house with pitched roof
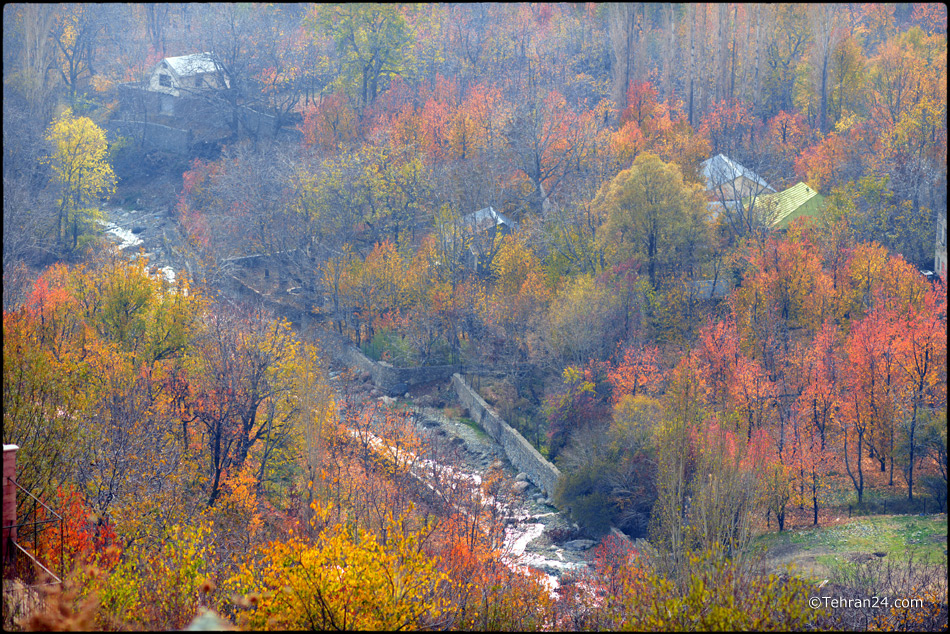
x: 484, y: 230
x: 728, y: 182
x: 187, y: 74
x: 778, y: 210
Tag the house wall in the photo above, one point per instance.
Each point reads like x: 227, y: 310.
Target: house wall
x: 154, y: 84
x: 182, y: 85
x: 738, y: 189
x: 520, y: 452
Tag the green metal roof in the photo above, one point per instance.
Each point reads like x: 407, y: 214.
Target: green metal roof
x: 787, y: 205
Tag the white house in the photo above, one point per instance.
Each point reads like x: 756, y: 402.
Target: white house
x: 728, y: 181
x: 184, y: 75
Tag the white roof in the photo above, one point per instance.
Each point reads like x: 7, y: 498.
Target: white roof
x: 194, y: 64
x: 486, y: 217
x: 721, y: 169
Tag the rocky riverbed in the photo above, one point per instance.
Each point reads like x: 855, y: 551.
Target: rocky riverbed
x: 149, y: 234
x: 538, y: 536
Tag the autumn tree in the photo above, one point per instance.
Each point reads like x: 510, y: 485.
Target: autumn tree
x: 77, y: 32
x: 583, y: 320
x: 243, y: 392
x: 649, y: 213
x: 82, y: 172
x: 43, y: 372
x: 373, y: 45
x: 869, y: 405
x: 787, y: 44
x: 922, y: 360
x: 548, y: 142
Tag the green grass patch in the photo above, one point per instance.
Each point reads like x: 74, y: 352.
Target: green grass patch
x: 899, y: 536
x: 475, y: 426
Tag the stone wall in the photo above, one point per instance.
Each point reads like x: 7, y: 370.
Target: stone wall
x: 520, y: 452
x: 150, y: 135
x: 395, y: 381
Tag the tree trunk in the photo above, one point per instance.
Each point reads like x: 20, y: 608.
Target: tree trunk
x: 823, y: 105
x: 910, y: 463
x: 668, y: 53
x: 735, y: 45
x: 691, y: 16
x: 620, y: 27
x: 756, y: 83
x: 722, y: 54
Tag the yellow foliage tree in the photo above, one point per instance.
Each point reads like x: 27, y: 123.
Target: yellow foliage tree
x: 81, y: 170
x: 343, y: 582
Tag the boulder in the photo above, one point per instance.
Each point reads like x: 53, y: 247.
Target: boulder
x: 579, y: 544
x: 519, y: 487
x: 399, y: 388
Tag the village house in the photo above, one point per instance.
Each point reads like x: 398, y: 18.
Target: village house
x: 778, y: 210
x: 187, y: 74
x: 728, y: 182
x: 485, y: 228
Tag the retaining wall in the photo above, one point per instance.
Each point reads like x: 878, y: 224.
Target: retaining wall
x: 520, y: 452
x: 151, y: 135
x: 395, y: 381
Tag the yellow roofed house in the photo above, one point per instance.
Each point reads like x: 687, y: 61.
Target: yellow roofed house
x: 780, y: 209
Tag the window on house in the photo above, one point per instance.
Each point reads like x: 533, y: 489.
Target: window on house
x: 165, y: 80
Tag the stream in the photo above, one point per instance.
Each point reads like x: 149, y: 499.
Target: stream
x: 530, y: 518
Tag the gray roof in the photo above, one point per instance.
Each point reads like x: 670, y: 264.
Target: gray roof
x: 194, y: 64
x: 488, y: 217
x: 721, y: 169
x: 705, y: 289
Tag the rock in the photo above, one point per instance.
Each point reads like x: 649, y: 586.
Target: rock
x: 521, y: 477
x: 387, y: 400
x: 399, y: 388
x: 406, y: 395
x: 519, y: 487
x: 579, y: 544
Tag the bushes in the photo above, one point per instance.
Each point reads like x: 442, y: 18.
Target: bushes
x: 389, y: 346
x: 342, y: 583
x: 713, y: 593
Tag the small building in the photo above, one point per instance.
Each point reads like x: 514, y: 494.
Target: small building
x: 778, y: 210
x: 486, y: 219
x: 187, y: 74
x: 483, y: 230
x: 728, y: 182
x: 940, y: 251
